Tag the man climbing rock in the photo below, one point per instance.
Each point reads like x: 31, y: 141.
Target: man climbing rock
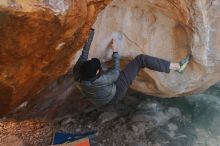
x: 102, y: 87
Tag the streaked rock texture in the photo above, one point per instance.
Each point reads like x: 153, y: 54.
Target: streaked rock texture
x: 38, y: 40
x: 169, y: 29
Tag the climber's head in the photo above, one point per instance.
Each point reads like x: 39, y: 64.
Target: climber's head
x: 90, y: 69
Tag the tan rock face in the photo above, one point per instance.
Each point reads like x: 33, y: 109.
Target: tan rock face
x: 38, y: 39
x: 169, y: 29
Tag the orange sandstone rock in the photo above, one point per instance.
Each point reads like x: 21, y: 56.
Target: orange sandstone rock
x: 38, y: 40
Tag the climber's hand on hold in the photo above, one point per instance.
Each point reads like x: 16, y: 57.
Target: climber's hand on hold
x: 114, y: 45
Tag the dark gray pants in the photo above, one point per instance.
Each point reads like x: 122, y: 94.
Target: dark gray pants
x: 131, y: 71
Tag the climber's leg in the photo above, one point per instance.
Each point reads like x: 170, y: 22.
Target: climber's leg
x: 132, y: 69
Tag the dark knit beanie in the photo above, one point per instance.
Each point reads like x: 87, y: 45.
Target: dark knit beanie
x: 89, y: 68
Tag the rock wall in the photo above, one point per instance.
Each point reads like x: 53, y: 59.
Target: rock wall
x: 169, y: 29
x: 38, y: 40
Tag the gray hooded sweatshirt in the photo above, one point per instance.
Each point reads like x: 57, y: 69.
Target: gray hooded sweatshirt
x: 103, y: 89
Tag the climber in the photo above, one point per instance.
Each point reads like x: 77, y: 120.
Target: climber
x: 111, y: 86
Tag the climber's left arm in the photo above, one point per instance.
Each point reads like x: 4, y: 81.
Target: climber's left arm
x: 84, y: 56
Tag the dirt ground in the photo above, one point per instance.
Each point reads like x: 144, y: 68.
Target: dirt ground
x: 113, y: 126
x: 37, y: 133
x: 29, y: 132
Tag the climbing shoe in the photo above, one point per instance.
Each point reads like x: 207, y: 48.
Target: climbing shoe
x: 183, y: 63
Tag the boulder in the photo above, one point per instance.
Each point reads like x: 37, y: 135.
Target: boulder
x: 38, y: 41
x: 169, y: 29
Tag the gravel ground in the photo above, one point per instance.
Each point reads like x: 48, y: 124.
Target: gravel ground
x: 29, y: 132
x: 113, y: 125
x: 112, y: 130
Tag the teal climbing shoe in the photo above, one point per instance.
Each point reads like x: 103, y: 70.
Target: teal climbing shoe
x: 183, y: 63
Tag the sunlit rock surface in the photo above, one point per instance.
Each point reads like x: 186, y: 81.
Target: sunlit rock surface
x: 38, y: 40
x: 169, y: 29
